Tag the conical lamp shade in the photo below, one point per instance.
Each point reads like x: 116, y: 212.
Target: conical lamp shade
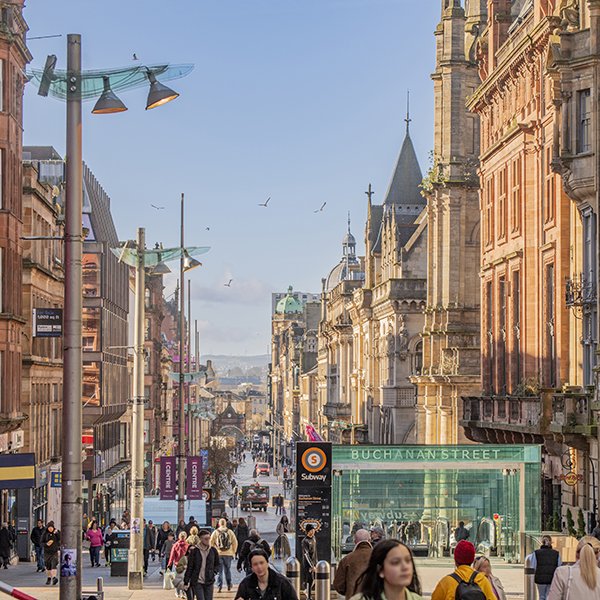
x: 189, y: 262
x: 161, y: 269
x: 108, y: 102
x: 159, y: 94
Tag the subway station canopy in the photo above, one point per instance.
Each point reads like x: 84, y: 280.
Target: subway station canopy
x: 421, y: 493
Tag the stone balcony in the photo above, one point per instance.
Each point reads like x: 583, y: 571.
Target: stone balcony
x: 574, y: 417
x: 334, y: 411
x: 400, y: 289
x: 505, y: 419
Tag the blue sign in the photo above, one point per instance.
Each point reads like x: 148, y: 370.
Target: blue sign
x: 56, y: 479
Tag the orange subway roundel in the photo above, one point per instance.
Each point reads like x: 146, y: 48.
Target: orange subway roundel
x: 314, y: 460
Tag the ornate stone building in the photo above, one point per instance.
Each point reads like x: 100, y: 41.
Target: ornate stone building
x: 537, y: 62
x: 451, y: 364
x: 369, y: 335
x: 293, y: 355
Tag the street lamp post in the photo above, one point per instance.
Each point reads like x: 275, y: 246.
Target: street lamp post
x: 137, y: 256
x: 75, y: 85
x: 71, y: 498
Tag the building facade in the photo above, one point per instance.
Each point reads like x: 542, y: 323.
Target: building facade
x: 538, y: 245
x: 451, y: 363
x: 14, y: 56
x: 42, y: 375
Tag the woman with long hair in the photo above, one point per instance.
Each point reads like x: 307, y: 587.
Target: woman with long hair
x: 390, y: 574
x: 282, y: 543
x: 483, y: 565
x: 581, y: 580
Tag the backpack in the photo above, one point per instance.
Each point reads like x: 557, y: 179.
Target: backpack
x: 252, y: 545
x: 223, y: 540
x: 467, y: 590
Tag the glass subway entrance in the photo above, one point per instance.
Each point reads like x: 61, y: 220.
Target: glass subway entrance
x: 419, y: 494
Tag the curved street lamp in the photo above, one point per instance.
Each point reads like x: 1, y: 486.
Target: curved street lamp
x: 75, y: 86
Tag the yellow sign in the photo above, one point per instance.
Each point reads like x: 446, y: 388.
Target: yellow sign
x: 571, y: 478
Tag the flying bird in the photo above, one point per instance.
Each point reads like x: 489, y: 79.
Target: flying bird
x: 207, y: 228
x: 265, y: 202
x: 157, y: 207
x: 135, y: 57
x: 322, y: 207
x: 228, y: 284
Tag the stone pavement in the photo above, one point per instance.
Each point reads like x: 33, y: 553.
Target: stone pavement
x: 24, y: 577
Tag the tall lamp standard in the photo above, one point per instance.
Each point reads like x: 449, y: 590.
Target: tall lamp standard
x: 75, y: 85
x: 136, y: 255
x: 186, y: 263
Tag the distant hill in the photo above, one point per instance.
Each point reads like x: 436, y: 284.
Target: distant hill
x: 227, y: 365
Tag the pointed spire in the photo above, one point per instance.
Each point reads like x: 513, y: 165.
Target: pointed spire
x: 348, y: 221
x: 408, y: 119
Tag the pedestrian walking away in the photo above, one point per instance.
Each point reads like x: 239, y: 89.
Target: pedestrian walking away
x: 5, y: 545
x: 389, y: 574
x: 178, y: 580
x: 461, y: 532
x: 464, y: 582
x: 180, y: 547
x: 225, y: 542
x: 242, y: 532
x: 51, y: 544
x: 483, y: 565
x: 544, y: 561
x: 352, y: 566
x: 253, y: 542
x: 36, y: 540
x: 202, y: 566
x: 281, y: 547
x: 264, y: 583
x: 581, y: 580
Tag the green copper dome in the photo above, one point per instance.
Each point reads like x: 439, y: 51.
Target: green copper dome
x: 288, y: 304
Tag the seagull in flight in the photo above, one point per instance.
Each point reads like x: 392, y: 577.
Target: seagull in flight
x: 135, y: 57
x: 265, y: 202
x: 207, y: 228
x: 322, y: 207
x: 157, y: 207
x: 228, y: 284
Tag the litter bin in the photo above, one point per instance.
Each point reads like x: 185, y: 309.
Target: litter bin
x: 119, y: 553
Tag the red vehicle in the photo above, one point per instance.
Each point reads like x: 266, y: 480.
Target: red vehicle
x: 263, y: 468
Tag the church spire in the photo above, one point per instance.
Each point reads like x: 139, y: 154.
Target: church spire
x: 408, y: 119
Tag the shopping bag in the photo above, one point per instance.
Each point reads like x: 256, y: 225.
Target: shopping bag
x: 168, y: 580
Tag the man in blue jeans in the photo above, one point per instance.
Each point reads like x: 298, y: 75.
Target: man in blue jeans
x: 224, y: 540
x: 36, y: 540
x: 545, y: 561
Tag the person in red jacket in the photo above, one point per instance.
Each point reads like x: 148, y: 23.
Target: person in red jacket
x: 94, y: 535
x: 180, y: 547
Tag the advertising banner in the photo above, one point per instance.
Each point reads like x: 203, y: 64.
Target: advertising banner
x: 313, y: 495
x: 194, y: 478
x: 168, y: 478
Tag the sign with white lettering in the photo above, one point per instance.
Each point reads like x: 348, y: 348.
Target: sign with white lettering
x: 47, y: 322
x: 313, y: 495
x: 168, y: 478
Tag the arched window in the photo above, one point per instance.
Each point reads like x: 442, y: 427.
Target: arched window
x: 418, y: 359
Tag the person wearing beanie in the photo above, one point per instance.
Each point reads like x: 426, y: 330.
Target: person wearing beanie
x: 464, y: 555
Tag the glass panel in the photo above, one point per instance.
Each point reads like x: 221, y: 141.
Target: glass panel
x: 91, y: 275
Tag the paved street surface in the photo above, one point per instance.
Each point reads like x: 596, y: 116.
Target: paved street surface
x: 24, y: 576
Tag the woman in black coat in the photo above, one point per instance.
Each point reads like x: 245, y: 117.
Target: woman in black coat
x: 51, y: 545
x: 242, y: 532
x: 5, y: 545
x: 264, y: 583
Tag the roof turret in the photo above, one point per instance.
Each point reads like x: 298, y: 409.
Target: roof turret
x: 288, y: 304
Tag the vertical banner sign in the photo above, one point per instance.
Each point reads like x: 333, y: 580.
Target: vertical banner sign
x: 194, y: 478
x: 313, y: 495
x: 168, y: 478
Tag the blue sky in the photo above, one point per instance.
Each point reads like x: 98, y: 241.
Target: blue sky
x: 300, y: 100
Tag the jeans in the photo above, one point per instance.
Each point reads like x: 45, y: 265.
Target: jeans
x: 543, y: 589
x: 146, y: 557
x: 95, y: 555
x: 39, y: 557
x: 201, y: 591
x: 163, y: 562
x: 225, y: 565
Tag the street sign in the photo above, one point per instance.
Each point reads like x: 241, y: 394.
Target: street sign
x: 47, y: 322
x: 313, y: 494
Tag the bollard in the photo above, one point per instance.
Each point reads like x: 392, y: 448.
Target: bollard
x: 530, y: 589
x: 292, y: 572
x: 100, y: 588
x: 322, y: 583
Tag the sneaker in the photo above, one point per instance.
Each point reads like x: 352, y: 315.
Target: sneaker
x: 55, y: 581
x: 49, y: 581
x: 228, y: 587
x: 220, y: 588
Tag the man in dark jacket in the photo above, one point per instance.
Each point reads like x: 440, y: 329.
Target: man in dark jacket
x: 5, y: 545
x: 202, y: 567
x: 149, y: 542
x: 36, y: 540
x: 264, y: 583
x: 253, y: 542
x: 545, y: 561
x: 461, y: 532
x: 309, y: 558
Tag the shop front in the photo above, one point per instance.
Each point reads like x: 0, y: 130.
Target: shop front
x: 421, y: 493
